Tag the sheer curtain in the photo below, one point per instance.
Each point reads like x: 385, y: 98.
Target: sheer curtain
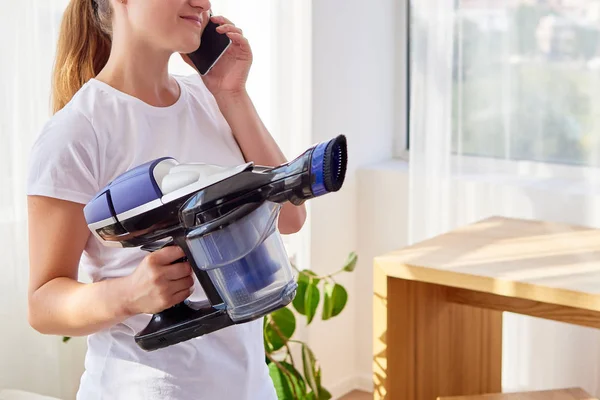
x: 492, y: 130
x: 28, y: 30
x: 278, y: 32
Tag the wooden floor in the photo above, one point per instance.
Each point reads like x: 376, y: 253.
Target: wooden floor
x: 356, y: 395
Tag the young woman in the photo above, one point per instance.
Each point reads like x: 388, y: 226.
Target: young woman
x: 116, y: 107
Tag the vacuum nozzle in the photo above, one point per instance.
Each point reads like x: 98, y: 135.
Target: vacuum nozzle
x: 328, y: 166
x: 319, y: 170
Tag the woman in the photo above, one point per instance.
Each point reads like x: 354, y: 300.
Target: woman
x: 116, y: 106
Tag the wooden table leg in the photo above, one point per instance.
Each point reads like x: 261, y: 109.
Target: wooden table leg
x: 426, y: 346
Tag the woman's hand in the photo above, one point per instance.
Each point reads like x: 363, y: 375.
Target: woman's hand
x: 230, y: 73
x: 156, y: 284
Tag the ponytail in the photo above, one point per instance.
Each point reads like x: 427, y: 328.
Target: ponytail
x: 83, y: 48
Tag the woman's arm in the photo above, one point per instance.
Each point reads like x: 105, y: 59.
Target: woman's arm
x: 227, y: 82
x: 258, y: 145
x: 60, y: 305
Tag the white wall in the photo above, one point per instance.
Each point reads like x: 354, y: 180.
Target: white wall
x: 352, y: 93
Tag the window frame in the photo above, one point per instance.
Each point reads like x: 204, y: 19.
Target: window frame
x: 402, y: 82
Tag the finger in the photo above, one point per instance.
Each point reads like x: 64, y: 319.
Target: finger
x: 238, y: 39
x: 177, y: 271
x: 219, y: 19
x: 229, y: 28
x: 167, y: 255
x: 179, y: 285
x: 182, y: 295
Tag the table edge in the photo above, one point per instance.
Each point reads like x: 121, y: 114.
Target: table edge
x: 486, y: 284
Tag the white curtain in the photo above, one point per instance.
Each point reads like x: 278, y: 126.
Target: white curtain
x: 28, y: 32
x: 502, y: 122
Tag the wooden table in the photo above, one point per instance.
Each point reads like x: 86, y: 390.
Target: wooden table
x: 438, y: 304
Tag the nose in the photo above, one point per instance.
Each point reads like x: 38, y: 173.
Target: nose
x: 202, y: 4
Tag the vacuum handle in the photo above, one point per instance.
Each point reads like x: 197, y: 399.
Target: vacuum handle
x: 158, y: 245
x: 202, y: 276
x: 177, y: 323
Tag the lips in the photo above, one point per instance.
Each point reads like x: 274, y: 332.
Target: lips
x: 193, y: 18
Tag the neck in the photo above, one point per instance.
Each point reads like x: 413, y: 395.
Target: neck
x: 140, y: 71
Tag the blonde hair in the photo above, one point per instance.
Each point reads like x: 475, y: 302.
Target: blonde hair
x: 83, y: 48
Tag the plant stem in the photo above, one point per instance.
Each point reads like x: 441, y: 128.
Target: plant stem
x: 329, y: 276
x: 285, y: 340
x: 287, y: 346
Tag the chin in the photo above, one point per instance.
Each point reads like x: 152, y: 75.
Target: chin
x: 189, y: 46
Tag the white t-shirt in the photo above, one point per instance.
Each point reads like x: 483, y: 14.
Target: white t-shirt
x: 100, y: 134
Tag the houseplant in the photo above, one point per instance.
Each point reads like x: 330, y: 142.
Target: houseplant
x: 301, y: 379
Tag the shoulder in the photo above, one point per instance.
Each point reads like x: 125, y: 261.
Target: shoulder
x: 67, y: 122
x: 63, y: 160
x: 76, y: 118
x: 68, y: 128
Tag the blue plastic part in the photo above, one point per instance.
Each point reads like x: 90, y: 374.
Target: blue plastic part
x: 255, y: 271
x: 135, y: 188
x: 129, y: 190
x: 98, y: 209
x: 316, y: 165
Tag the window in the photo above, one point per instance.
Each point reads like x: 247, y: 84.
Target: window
x: 526, y: 80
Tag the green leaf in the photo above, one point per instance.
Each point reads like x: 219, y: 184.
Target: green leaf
x: 310, y: 368
x: 351, y: 262
x: 278, y: 335
x: 327, y: 301
x: 318, y: 377
x: 324, y: 394
x: 298, y: 301
x: 289, y: 383
x: 307, y: 298
x: 65, y: 339
x: 311, y: 301
x: 335, y: 298
x: 339, y: 298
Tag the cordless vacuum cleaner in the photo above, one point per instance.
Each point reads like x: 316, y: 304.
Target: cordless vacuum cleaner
x: 225, y: 220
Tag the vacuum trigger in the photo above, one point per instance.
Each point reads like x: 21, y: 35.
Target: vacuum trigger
x: 158, y: 245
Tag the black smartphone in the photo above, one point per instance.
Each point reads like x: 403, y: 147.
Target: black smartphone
x: 212, y: 46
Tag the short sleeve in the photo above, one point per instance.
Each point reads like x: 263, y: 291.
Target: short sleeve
x: 63, y: 161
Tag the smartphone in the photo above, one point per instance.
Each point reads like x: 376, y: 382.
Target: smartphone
x: 212, y: 46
